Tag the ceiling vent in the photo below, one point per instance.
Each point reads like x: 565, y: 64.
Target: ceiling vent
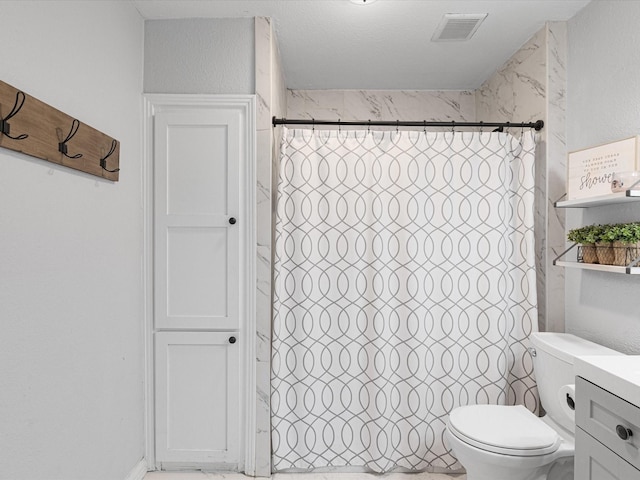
x: 457, y: 27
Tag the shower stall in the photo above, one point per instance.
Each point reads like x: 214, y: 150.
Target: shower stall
x: 404, y: 286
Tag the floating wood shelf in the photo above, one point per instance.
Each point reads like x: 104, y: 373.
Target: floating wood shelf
x: 631, y: 269
x: 599, y: 268
x: 612, y: 198
x: 34, y: 128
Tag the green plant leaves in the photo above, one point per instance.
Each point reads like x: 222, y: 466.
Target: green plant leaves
x: 628, y: 233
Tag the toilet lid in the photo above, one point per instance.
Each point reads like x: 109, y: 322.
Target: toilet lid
x: 510, y: 430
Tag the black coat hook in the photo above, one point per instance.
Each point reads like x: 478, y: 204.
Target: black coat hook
x: 62, y: 146
x: 4, y: 122
x: 103, y: 160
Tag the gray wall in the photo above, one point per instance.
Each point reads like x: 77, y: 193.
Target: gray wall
x: 71, y: 296
x: 199, y: 56
x: 603, y: 105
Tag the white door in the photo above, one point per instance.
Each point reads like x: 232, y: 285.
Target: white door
x: 196, y: 208
x: 197, y: 400
x: 197, y: 156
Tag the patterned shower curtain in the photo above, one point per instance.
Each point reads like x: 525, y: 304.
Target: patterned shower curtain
x: 404, y: 287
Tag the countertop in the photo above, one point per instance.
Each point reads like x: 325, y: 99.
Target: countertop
x: 619, y: 374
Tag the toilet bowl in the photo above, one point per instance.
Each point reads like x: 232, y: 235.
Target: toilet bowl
x: 496, y: 442
x: 505, y: 443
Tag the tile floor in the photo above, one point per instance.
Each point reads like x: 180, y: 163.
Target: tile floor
x: 302, y: 476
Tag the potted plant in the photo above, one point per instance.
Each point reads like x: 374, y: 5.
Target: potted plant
x: 587, y: 237
x: 604, y: 245
x: 625, y: 238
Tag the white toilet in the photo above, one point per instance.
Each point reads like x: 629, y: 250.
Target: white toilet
x: 495, y: 442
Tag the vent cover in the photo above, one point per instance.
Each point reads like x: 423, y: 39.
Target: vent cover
x: 456, y: 27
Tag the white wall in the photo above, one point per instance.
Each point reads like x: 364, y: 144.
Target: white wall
x: 71, y: 348
x: 198, y: 55
x: 603, y: 105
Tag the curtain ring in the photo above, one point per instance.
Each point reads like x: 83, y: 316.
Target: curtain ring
x: 397, y: 125
x: 453, y: 127
x: 313, y: 123
x: 369, y: 127
x: 424, y: 127
x: 481, y: 126
x: 339, y: 127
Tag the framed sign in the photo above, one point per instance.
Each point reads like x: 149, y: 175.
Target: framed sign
x: 590, y: 171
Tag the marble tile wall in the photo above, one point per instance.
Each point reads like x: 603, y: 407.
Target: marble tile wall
x: 523, y: 90
x: 263, y: 247
x: 381, y: 105
x: 271, y: 100
x: 531, y: 86
x: 556, y: 170
x: 517, y: 93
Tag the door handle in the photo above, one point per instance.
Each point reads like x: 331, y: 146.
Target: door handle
x: 232, y: 340
x: 232, y: 221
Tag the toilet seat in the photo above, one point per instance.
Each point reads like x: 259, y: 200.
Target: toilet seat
x: 506, y: 430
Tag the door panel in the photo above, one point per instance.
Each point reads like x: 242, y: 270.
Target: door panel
x: 197, y: 398
x: 594, y: 461
x: 196, y: 194
x: 194, y: 258
x: 197, y: 185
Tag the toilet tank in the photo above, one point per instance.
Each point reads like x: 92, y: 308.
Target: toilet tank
x: 553, y: 357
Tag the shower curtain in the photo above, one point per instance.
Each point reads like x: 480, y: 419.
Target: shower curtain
x: 404, y: 287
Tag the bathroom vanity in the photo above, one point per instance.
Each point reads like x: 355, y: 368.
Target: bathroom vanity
x: 607, y: 407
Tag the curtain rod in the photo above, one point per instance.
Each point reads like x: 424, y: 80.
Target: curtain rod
x: 538, y: 125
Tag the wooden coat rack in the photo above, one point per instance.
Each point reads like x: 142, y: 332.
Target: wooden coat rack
x: 32, y: 127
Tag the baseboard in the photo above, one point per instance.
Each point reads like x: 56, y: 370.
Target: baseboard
x: 138, y: 472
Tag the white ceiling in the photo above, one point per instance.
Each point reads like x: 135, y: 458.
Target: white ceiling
x: 335, y: 44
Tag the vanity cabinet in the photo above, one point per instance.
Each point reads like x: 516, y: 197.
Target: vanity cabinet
x: 607, y: 435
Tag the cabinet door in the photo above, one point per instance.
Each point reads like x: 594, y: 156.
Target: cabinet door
x: 197, y: 413
x: 197, y: 154
x: 594, y: 461
x: 599, y: 413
